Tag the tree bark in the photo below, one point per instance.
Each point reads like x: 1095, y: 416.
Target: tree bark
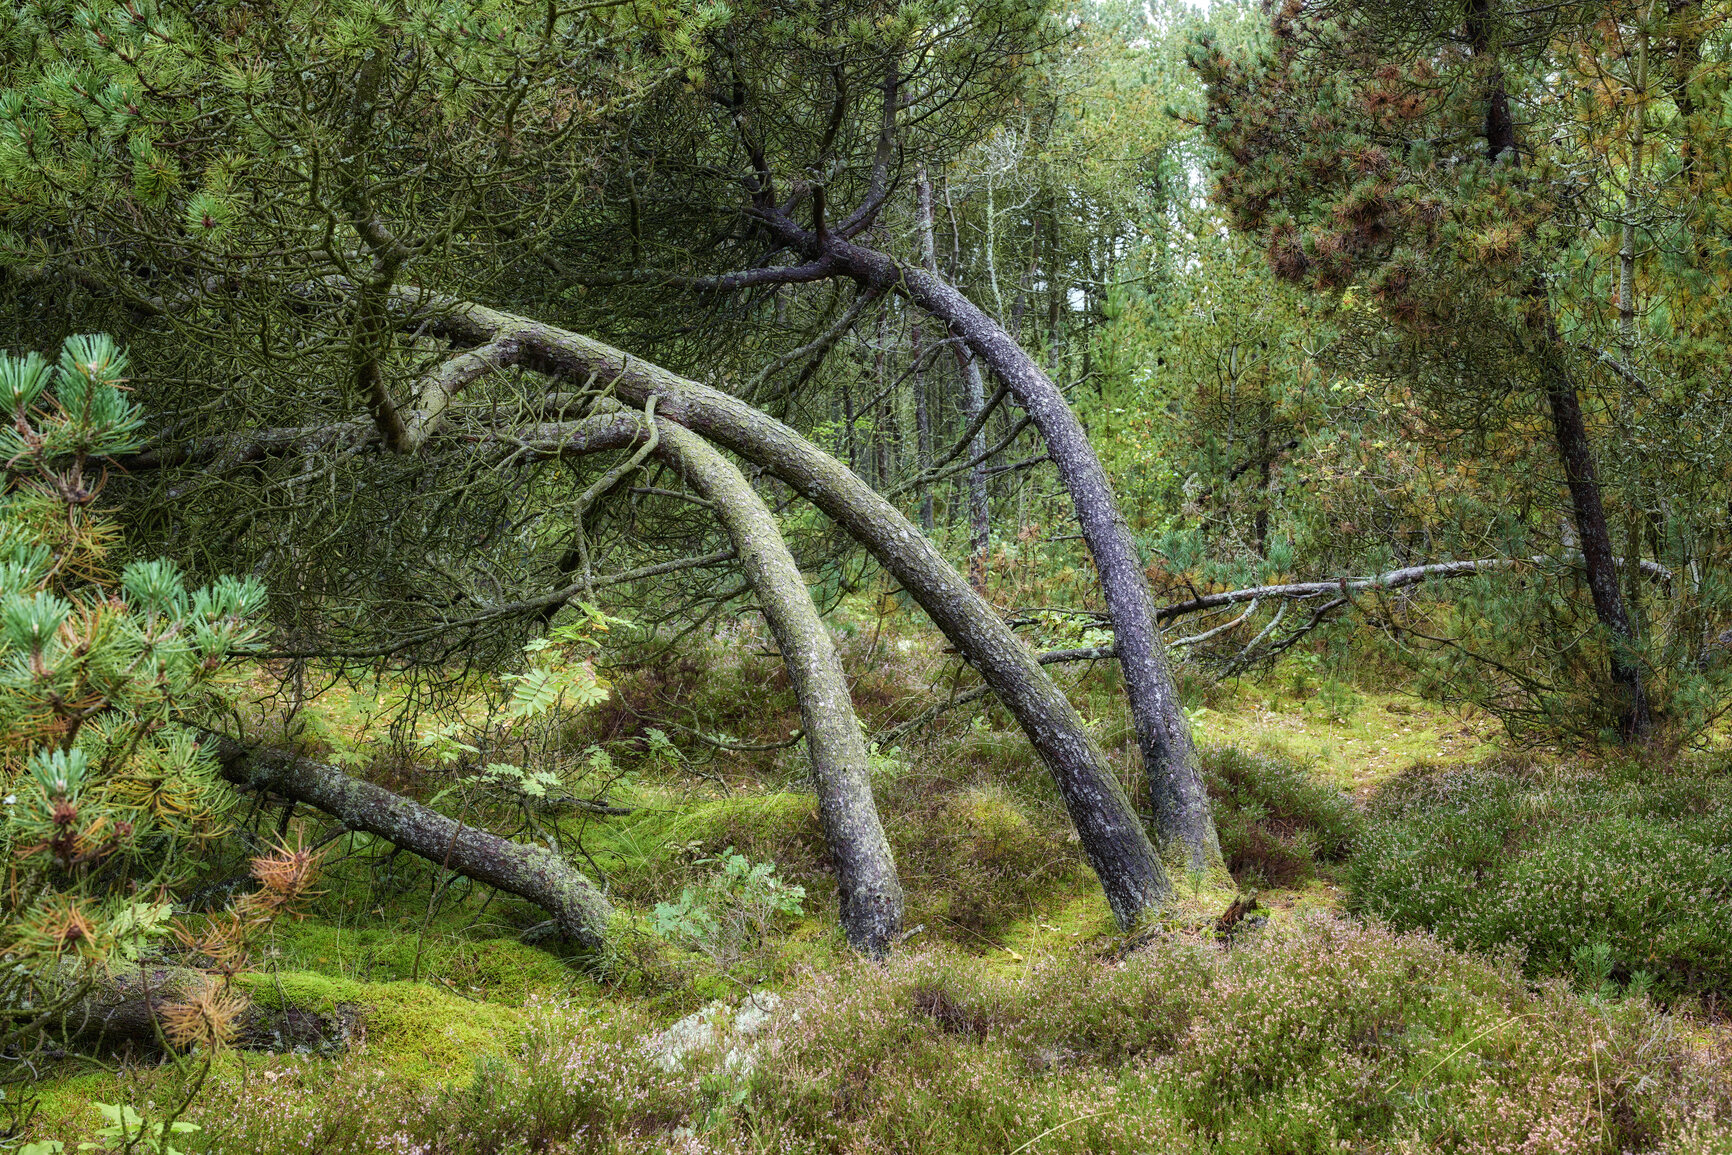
x: 922, y: 434
x: 1183, y: 820
x: 866, y: 881
x: 125, y: 1008
x: 979, y: 506
x: 1568, y: 429
x: 1112, y: 837
x: 1499, y: 127
x: 1598, y: 557
x: 534, y: 873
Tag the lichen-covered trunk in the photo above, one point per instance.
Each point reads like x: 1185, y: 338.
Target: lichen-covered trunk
x: 870, y: 894
x: 1111, y: 835
x: 534, y: 873
x: 1183, y: 820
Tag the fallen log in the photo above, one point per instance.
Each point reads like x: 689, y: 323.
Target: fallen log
x: 123, y: 1009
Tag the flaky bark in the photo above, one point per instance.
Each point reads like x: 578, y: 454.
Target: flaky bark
x: 534, y: 873
x: 1183, y: 820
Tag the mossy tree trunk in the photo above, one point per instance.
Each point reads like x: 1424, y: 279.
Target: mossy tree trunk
x: 866, y: 881
x: 534, y: 873
x: 1111, y: 834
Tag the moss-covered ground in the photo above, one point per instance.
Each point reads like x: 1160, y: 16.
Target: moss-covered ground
x: 454, y: 1016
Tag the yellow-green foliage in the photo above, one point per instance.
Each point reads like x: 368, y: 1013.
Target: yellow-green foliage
x: 650, y: 854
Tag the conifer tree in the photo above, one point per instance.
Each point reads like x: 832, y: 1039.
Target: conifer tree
x: 1429, y: 170
x: 111, y: 804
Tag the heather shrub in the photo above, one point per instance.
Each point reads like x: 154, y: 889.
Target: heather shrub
x: 1328, y: 1035
x: 570, y: 1082
x: 1332, y: 1035
x: 1619, y: 877
x: 1276, y: 819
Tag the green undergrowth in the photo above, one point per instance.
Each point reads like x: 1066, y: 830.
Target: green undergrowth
x: 1322, y: 1035
x: 1278, y: 820
x: 1008, y: 1022
x: 661, y: 846
x: 498, y: 969
x: 418, y: 1031
x: 1619, y: 874
x: 1356, y: 736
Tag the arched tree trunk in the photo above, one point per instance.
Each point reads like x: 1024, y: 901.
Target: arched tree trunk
x: 1184, y: 822
x: 1112, y: 836
x: 871, y: 895
x: 1183, y: 819
x: 866, y: 880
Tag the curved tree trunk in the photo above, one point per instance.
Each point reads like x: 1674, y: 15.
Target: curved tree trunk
x: 1112, y: 836
x: 534, y: 873
x: 871, y: 895
x: 1183, y: 820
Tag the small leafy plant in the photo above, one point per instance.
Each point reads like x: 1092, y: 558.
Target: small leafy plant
x: 731, y: 912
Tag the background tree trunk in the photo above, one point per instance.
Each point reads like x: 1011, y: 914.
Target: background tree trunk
x: 1598, y: 557
x: 973, y: 400
x: 922, y: 432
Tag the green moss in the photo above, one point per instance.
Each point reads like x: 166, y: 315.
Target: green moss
x: 501, y: 970
x: 64, y: 1106
x: 1055, y: 929
x: 650, y: 854
x: 414, y: 1030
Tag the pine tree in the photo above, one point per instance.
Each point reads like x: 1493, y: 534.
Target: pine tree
x: 105, y: 679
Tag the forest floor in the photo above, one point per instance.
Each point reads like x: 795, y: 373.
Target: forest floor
x: 437, y: 991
